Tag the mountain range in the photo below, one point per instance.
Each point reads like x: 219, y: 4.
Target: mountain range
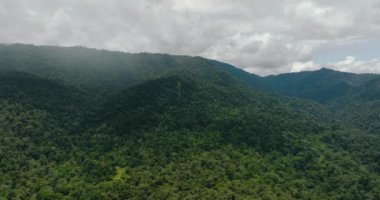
x: 80, y: 123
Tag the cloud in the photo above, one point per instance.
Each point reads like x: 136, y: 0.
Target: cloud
x: 304, y: 66
x: 261, y: 36
x: 351, y: 64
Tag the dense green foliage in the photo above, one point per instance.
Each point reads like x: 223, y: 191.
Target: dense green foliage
x: 353, y: 97
x: 78, y: 123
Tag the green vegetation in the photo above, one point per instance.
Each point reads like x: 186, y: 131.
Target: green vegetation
x: 353, y: 97
x: 78, y: 123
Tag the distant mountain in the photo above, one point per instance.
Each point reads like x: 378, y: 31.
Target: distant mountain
x: 79, y: 123
x: 354, y: 97
x: 323, y: 85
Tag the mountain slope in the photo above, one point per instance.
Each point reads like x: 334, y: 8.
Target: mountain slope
x: 152, y: 126
x: 203, y: 142
x: 63, y: 102
x: 361, y: 108
x: 83, y: 67
x: 352, y: 97
x: 178, y: 103
x: 95, y: 69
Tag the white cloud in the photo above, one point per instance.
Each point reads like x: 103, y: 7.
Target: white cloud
x: 351, y: 64
x: 304, y: 66
x: 261, y: 36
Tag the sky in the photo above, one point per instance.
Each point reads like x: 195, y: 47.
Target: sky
x: 260, y: 36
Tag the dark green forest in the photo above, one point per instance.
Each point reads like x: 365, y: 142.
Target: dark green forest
x: 79, y: 123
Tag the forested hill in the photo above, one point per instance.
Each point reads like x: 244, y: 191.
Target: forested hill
x: 94, y: 69
x: 323, y: 85
x: 353, y: 97
x: 78, y: 123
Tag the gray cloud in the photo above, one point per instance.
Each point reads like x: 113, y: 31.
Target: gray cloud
x: 261, y: 36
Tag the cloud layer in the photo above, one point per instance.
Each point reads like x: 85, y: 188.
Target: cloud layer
x: 261, y: 36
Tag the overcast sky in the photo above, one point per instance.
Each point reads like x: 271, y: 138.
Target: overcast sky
x: 260, y: 36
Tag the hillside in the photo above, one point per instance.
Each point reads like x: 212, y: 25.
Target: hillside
x: 78, y: 123
x: 93, y: 69
x: 353, y: 97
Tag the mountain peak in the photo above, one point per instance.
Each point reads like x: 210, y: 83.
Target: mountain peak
x: 328, y: 70
x: 325, y: 69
